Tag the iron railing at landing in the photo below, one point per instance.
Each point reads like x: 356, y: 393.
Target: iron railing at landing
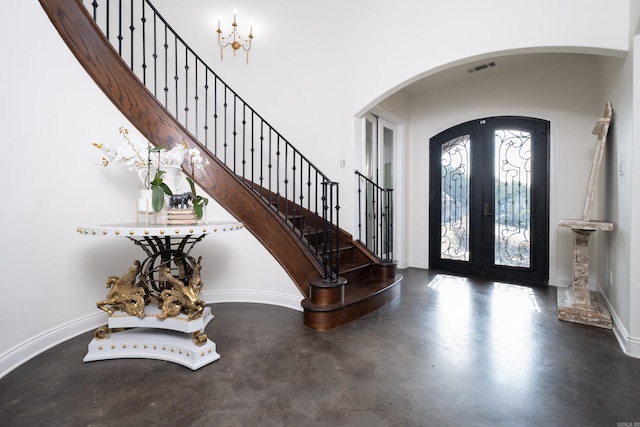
x: 224, y: 123
x: 375, y: 217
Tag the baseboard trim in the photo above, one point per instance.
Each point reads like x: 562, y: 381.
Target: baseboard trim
x: 629, y: 345
x: 27, y: 350
x: 252, y: 296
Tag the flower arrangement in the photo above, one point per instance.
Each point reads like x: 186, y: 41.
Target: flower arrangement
x: 137, y: 155
x: 143, y: 157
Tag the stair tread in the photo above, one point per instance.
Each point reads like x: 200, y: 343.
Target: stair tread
x: 357, y: 291
x: 365, y: 288
x: 353, y: 264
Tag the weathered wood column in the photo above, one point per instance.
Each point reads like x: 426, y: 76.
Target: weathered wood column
x: 577, y: 303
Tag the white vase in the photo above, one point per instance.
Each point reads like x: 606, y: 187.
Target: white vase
x: 144, y: 201
x: 173, y: 177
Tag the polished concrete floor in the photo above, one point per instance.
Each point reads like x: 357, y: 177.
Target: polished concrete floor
x: 448, y: 352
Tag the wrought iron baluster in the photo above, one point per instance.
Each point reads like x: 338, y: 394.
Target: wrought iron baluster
x: 108, y: 20
x: 206, y: 109
x: 286, y: 180
x: 301, y: 197
x: 175, y: 72
x: 270, y: 167
x: 94, y: 4
x: 309, y: 190
x: 225, y: 114
x: 234, y: 140
x: 196, y: 98
x: 120, y: 27
x: 278, y: 172
x: 166, y: 67
x: 261, y: 157
x: 155, y: 55
x: 389, y: 237
x: 253, y: 149
x: 244, y: 139
x: 186, y: 87
x: 131, y: 30
x: 144, y: 44
x: 215, y: 117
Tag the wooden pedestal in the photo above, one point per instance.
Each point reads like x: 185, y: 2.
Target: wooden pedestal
x: 577, y: 303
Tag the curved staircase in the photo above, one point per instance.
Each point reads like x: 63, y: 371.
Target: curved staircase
x: 336, y: 292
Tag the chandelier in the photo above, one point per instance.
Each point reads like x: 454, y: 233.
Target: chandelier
x: 234, y: 39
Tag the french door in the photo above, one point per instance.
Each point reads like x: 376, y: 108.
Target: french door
x: 489, y: 199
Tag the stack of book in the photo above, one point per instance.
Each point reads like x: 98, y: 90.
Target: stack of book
x: 181, y: 217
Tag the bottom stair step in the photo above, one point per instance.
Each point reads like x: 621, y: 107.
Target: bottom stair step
x: 360, y: 298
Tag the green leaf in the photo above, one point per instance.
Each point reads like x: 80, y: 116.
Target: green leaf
x: 192, y: 185
x: 166, y: 189
x: 157, y: 198
x: 198, y: 210
x: 157, y: 180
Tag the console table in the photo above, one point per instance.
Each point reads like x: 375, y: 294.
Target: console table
x: 154, y: 309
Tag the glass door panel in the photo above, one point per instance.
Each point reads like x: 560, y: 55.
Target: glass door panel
x: 454, y: 204
x: 512, y: 198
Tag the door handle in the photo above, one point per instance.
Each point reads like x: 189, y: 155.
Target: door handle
x: 485, y: 210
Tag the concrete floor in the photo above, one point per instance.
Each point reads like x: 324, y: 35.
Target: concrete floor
x: 448, y: 352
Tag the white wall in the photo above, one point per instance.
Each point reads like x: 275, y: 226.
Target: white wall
x: 313, y: 67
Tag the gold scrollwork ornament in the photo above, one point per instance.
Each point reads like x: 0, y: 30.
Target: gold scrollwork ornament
x: 103, y: 332
x: 199, y: 338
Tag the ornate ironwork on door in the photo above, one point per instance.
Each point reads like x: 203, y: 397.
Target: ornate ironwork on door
x: 454, y: 222
x: 512, y: 210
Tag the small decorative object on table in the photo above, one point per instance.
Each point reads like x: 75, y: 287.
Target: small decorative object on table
x: 180, y: 212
